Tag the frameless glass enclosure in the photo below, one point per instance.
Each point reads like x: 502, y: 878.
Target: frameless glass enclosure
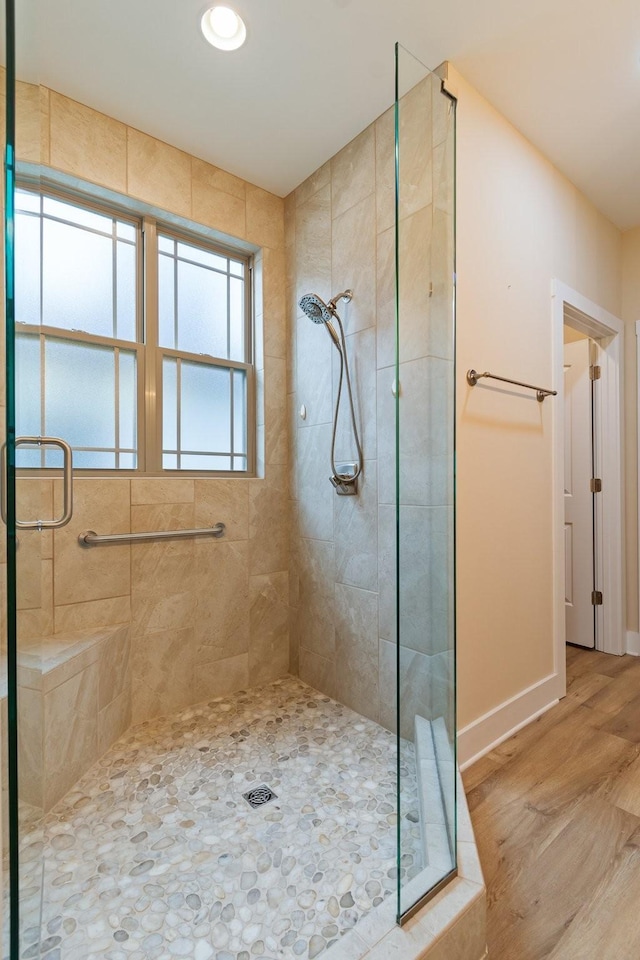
x: 237, y: 745
x: 424, y: 387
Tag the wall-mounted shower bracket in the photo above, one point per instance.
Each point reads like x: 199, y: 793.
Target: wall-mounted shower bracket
x: 345, y: 481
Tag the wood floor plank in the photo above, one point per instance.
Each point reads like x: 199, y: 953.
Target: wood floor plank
x: 533, y: 915
x: 625, y: 790
x: 608, y: 925
x: 556, y: 812
x: 626, y: 723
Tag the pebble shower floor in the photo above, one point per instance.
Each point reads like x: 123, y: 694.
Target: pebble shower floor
x: 156, y: 854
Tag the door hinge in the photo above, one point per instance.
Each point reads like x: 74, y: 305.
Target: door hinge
x: 596, y: 598
x: 596, y: 485
x: 595, y: 371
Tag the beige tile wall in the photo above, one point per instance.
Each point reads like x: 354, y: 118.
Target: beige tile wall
x: 207, y: 617
x: 340, y: 233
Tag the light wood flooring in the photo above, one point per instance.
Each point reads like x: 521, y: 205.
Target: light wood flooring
x: 556, y: 812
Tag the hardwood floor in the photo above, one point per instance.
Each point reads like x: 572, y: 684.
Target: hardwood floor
x: 556, y: 812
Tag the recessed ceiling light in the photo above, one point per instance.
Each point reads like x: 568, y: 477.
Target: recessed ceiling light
x: 223, y: 28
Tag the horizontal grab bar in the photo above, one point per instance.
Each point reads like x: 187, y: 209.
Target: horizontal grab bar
x: 541, y: 392
x: 90, y: 538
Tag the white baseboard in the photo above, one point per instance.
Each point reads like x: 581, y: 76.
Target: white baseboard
x: 633, y: 643
x: 488, y: 731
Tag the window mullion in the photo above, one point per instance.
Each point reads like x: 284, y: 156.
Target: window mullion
x: 153, y: 399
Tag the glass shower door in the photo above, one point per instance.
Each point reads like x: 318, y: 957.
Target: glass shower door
x: 425, y: 270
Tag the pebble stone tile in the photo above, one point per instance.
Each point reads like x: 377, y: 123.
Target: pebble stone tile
x: 155, y: 854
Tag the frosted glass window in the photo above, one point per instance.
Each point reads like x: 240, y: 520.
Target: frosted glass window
x: 204, y: 416
x: 187, y: 251
x: 126, y: 280
x: 27, y: 268
x: 80, y: 397
x: 25, y: 200
x: 202, y: 310
x: 82, y: 345
x: 166, y: 302
x: 170, y: 404
x: 70, y: 213
x: 128, y: 400
x: 77, y: 279
x: 202, y: 301
x: 85, y: 276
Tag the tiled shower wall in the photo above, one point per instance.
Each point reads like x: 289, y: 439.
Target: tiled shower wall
x: 340, y: 233
x: 207, y: 617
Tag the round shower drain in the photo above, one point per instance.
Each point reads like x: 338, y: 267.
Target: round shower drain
x: 259, y: 795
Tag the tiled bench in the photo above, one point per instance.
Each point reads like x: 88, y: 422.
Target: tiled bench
x: 74, y: 696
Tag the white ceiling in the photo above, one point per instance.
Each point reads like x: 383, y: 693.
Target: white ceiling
x: 313, y: 73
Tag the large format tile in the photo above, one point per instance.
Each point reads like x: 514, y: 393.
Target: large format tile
x: 221, y: 594
x: 87, y: 143
x: 220, y: 678
x: 320, y: 178
x: 387, y: 571
x: 314, y: 358
x: 353, y: 263
x: 315, y: 614
x: 158, y: 173
x: 114, y: 667
x: 385, y: 127
x: 386, y: 298
x: 162, y: 673
x: 425, y: 578
x: 265, y: 218
x: 313, y: 245
x: 93, y: 573
x: 356, y: 533
x: 226, y: 501
x: 361, y: 350
x: 269, y: 627
x: 415, y: 148
x: 70, y: 732
x: 29, y: 123
x: 218, y: 198
x: 357, y: 649
x: 318, y: 672
x: 315, y: 493
x: 353, y: 172
x: 268, y: 521
x: 275, y: 409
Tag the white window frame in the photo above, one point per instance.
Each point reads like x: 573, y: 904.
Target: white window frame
x: 148, y: 351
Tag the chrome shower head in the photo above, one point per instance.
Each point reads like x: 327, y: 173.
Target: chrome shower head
x: 315, y: 308
x: 318, y: 311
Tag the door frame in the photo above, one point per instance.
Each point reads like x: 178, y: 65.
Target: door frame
x: 598, y: 323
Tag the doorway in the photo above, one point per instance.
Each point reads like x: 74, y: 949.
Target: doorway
x: 582, y: 321
x: 582, y: 487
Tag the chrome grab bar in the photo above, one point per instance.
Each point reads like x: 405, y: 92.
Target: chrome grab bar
x: 541, y: 392
x: 67, y: 474
x: 90, y: 538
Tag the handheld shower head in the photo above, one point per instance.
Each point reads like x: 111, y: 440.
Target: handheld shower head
x: 318, y: 311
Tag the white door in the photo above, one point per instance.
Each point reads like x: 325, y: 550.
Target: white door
x: 578, y: 498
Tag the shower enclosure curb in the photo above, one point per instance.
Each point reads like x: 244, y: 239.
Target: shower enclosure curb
x: 451, y: 926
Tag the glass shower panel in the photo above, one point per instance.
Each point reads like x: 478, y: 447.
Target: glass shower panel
x: 27, y: 554
x: 425, y: 128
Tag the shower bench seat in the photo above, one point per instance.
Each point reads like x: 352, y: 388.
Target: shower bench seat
x: 74, y: 698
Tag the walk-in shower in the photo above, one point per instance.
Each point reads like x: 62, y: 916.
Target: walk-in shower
x: 345, y: 475
x: 235, y: 631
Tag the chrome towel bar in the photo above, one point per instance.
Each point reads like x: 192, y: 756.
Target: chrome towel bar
x: 541, y: 392
x: 89, y: 538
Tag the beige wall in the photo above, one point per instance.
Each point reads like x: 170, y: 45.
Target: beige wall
x: 520, y: 225
x: 207, y: 617
x: 631, y: 315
